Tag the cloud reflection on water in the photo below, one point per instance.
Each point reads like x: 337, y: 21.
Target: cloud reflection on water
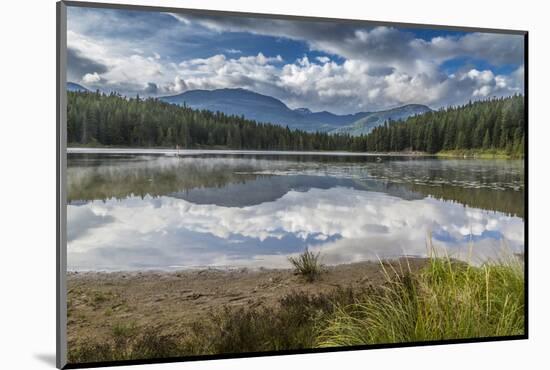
x: 346, y: 224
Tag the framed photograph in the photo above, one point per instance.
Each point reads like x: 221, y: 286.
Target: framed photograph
x: 235, y: 184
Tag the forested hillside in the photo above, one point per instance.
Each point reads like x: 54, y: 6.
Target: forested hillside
x: 95, y: 118
x: 99, y: 119
x: 490, y: 124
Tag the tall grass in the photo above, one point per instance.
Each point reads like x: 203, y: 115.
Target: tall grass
x: 447, y: 300
x: 307, y: 264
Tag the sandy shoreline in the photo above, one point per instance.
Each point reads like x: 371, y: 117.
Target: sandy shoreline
x: 97, y: 301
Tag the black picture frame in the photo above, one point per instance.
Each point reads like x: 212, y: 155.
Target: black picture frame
x: 61, y: 196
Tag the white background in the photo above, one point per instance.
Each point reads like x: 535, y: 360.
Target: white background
x: 27, y: 181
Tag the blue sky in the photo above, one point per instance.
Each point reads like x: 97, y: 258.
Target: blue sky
x: 343, y: 68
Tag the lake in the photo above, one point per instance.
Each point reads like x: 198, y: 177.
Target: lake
x: 151, y: 209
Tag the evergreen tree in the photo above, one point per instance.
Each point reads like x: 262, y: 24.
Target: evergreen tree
x: 486, y: 140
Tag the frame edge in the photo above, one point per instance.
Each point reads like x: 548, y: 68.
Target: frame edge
x: 61, y: 216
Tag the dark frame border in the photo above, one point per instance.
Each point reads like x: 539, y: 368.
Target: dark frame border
x: 61, y: 168
x: 61, y: 186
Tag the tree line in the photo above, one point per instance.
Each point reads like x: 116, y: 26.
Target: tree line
x: 94, y: 118
x: 97, y: 118
x: 497, y: 123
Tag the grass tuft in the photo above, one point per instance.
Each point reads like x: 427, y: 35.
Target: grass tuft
x: 308, y: 265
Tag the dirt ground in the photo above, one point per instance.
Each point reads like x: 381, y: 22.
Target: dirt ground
x: 97, y: 301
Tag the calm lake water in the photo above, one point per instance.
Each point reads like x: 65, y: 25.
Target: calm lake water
x: 158, y: 211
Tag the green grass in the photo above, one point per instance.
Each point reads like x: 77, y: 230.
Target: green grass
x: 447, y: 300
x: 307, y: 264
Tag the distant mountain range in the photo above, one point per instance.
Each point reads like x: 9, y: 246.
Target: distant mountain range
x: 373, y: 119
x: 263, y: 108
x: 71, y: 86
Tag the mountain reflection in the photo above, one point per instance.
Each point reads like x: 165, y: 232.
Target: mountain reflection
x: 267, y: 189
x: 247, y: 180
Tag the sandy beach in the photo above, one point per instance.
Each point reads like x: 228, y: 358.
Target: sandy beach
x: 172, y: 301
